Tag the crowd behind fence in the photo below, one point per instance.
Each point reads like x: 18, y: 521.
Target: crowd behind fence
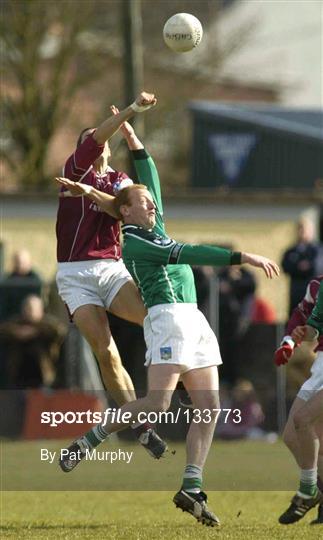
x: 41, y: 349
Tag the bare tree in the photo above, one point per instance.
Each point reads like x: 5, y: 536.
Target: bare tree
x: 46, y: 64
x: 51, y: 49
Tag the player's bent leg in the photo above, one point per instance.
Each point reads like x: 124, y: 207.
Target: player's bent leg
x: 162, y: 382
x: 305, y: 419
x: 128, y: 305
x: 319, y: 433
x: 93, y: 324
x: 157, y: 400
x: 308, y: 495
x: 202, y: 385
x: 289, y: 434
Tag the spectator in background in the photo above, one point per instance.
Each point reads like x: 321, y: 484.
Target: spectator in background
x: 202, y: 276
x: 19, y: 283
x: 32, y: 341
x: 262, y: 312
x: 244, y: 405
x: 301, y: 262
x: 237, y: 288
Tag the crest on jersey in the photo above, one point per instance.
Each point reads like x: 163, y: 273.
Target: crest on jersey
x: 165, y: 353
x: 160, y: 241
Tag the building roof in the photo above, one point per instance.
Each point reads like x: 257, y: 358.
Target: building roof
x: 306, y: 123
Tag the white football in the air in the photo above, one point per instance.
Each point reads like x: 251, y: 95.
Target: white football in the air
x: 182, y: 32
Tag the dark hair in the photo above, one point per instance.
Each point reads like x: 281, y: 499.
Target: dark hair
x: 79, y: 140
x: 123, y: 197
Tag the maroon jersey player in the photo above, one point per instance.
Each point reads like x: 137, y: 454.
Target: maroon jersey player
x: 83, y: 231
x: 300, y: 412
x: 91, y: 276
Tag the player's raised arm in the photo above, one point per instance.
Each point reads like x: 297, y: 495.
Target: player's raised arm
x: 77, y: 189
x: 128, y: 133
x: 105, y: 130
x: 294, y: 333
x: 145, y: 166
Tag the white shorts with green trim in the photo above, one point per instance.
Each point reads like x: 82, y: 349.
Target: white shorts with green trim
x: 180, y: 334
x: 315, y: 383
x: 94, y: 282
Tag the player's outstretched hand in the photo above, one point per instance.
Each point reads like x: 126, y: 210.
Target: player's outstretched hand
x: 283, y: 353
x: 269, y: 267
x: 75, y: 189
x: 304, y: 333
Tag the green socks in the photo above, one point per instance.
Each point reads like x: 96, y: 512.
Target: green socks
x: 192, y: 479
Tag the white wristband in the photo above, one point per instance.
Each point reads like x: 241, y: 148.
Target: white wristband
x: 289, y: 340
x: 140, y: 108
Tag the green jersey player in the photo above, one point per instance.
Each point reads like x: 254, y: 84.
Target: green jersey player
x: 180, y: 342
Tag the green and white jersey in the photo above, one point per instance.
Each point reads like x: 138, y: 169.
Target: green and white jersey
x: 316, y: 317
x: 158, y: 264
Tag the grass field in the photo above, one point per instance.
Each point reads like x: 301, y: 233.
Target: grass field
x: 146, y: 516
x: 143, y: 514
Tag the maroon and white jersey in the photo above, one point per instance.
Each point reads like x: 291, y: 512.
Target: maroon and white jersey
x: 83, y: 231
x: 304, y: 309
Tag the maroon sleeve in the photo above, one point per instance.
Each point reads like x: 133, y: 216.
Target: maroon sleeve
x: 297, y: 319
x: 81, y: 160
x: 304, y: 309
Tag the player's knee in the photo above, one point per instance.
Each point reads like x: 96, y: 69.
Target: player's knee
x: 213, y: 402
x: 206, y: 400
x: 288, y: 438
x: 160, y: 402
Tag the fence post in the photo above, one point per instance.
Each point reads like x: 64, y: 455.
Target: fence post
x: 280, y: 385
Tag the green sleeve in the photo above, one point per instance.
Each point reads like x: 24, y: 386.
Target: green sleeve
x: 156, y: 249
x: 148, y: 175
x: 203, y: 255
x: 316, y: 317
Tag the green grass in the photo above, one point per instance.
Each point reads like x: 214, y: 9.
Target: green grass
x: 146, y: 516
x: 245, y: 466
x: 260, y: 470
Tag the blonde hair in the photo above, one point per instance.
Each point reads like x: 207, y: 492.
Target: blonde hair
x: 123, y: 197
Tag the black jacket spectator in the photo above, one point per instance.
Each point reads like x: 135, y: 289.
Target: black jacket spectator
x: 31, y: 344
x: 19, y: 283
x: 300, y: 262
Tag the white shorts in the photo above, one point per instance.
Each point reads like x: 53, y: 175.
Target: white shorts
x: 315, y: 383
x: 90, y: 282
x: 180, y: 334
